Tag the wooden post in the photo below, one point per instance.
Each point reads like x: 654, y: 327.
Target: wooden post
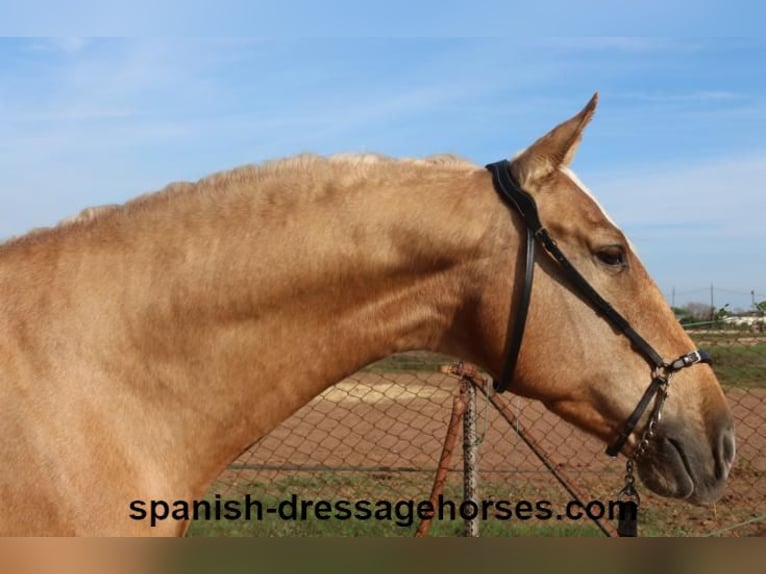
x: 450, y: 440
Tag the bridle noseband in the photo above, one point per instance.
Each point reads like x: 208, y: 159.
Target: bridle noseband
x: 662, y: 370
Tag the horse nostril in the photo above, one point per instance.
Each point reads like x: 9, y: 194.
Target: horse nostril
x: 725, y: 455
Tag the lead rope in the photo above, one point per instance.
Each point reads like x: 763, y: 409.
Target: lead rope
x: 629, y: 503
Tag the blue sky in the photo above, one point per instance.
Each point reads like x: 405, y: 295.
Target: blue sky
x: 676, y: 152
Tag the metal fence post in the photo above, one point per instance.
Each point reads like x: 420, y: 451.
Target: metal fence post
x: 470, y: 503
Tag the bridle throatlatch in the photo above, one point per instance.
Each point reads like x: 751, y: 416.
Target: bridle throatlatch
x: 662, y: 370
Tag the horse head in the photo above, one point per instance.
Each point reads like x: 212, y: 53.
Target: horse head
x: 576, y: 358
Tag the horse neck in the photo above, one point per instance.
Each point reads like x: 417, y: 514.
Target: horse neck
x: 220, y: 316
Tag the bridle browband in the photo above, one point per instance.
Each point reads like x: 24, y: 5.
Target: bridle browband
x: 662, y: 370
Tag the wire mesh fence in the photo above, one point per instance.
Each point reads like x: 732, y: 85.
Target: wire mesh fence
x: 378, y: 435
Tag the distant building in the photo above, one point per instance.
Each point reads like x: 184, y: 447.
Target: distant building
x: 751, y: 321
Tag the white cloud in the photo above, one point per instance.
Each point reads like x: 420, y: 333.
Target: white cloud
x: 682, y: 97
x: 694, y: 224
x: 71, y: 113
x: 67, y: 45
x: 718, y: 198
x: 621, y: 43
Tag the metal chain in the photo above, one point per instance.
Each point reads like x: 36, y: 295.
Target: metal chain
x: 654, y: 419
x: 629, y: 492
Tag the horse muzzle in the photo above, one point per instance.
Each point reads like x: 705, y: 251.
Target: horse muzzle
x: 680, y: 463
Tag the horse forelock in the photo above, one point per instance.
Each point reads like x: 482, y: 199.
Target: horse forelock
x: 586, y: 190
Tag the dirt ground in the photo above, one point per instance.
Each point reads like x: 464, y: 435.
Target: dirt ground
x: 397, y: 422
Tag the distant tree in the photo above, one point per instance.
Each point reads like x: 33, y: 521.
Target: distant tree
x: 698, y: 311
x: 682, y: 315
x: 722, y: 312
x: 761, y: 306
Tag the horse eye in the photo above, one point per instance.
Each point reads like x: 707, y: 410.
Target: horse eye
x: 612, y: 256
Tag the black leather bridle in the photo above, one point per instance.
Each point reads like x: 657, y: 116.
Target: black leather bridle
x: 662, y: 370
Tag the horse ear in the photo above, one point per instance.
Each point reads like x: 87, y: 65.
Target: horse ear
x: 554, y: 150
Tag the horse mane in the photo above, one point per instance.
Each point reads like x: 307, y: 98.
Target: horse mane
x: 348, y: 167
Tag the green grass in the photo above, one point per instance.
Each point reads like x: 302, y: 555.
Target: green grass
x: 736, y: 364
x: 313, y: 527
x: 412, y: 362
x: 334, y: 486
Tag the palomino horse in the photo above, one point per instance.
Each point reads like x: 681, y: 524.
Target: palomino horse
x: 144, y: 347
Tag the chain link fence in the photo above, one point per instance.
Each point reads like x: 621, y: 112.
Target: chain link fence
x: 379, y: 434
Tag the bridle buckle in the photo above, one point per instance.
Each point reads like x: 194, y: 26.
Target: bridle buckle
x: 689, y: 359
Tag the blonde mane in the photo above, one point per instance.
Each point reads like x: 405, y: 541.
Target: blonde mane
x: 350, y: 168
